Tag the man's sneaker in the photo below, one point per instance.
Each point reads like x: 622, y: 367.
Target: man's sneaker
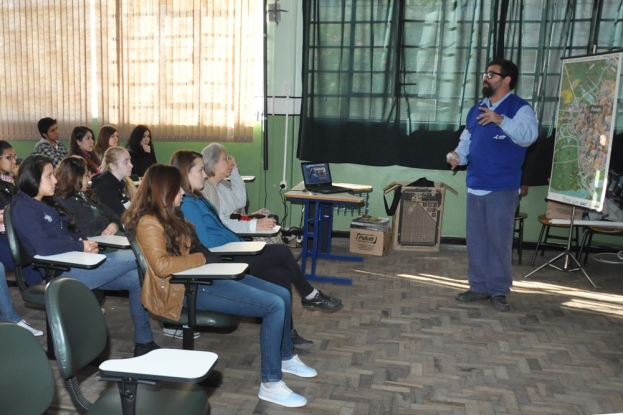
x: 281, y: 395
x: 301, y: 343
x: 296, y: 367
x: 177, y: 333
x: 27, y: 326
x: 500, y: 303
x: 469, y: 296
x: 144, y: 348
x: 323, y: 302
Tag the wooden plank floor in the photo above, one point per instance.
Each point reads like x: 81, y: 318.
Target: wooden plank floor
x: 403, y: 345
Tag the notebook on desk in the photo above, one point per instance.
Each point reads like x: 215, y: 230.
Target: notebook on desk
x: 317, y: 178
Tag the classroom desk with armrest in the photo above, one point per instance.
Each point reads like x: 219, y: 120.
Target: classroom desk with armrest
x: 166, y: 365
x: 111, y: 241
x: 264, y: 233
x: 240, y: 248
x: 70, y: 259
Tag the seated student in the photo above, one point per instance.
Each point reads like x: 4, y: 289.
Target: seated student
x: 229, y: 198
x: 49, y: 145
x: 275, y: 264
x: 107, y: 137
x: 141, y: 149
x: 7, y: 309
x: 170, y: 245
x: 113, y: 187
x: 45, y: 227
x: 82, y: 143
x: 8, y: 168
x: 72, y: 190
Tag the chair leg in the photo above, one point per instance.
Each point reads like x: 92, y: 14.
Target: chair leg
x: 48, y: 333
x: 188, y: 339
x: 545, y: 240
x: 538, y: 242
x: 584, y: 238
x: 590, y: 241
x: 520, y: 248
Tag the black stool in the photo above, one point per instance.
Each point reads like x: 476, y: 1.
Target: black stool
x: 518, y: 231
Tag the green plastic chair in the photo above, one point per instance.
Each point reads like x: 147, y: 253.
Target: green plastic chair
x: 21, y: 260
x: 79, y: 335
x: 190, y: 316
x: 26, y: 378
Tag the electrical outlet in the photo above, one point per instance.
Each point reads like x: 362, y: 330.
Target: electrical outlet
x: 283, y: 184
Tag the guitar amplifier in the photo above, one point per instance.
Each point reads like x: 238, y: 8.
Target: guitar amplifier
x: 417, y: 221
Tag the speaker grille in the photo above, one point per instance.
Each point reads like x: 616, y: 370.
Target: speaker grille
x: 419, y: 217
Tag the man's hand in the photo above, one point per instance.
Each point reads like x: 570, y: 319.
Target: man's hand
x: 489, y: 116
x: 453, y: 159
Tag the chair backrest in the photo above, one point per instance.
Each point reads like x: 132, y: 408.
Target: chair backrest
x: 77, y: 324
x: 21, y: 258
x: 141, y: 263
x: 26, y: 378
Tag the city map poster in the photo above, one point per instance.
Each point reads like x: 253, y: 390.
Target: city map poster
x: 589, y: 88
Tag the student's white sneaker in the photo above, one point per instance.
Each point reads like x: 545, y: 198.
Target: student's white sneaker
x: 177, y: 333
x: 296, y: 367
x: 27, y: 326
x: 279, y: 393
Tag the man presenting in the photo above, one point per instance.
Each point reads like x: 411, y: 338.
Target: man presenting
x: 498, y: 131
x: 49, y: 144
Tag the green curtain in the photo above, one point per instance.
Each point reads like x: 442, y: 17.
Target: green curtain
x: 391, y: 82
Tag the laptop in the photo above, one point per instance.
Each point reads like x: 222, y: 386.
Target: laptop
x: 317, y: 178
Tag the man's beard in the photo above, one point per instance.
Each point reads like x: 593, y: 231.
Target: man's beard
x: 487, y: 91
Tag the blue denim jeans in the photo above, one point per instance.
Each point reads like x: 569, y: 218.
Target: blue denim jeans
x: 119, y: 272
x: 490, y: 225
x: 254, y: 297
x: 6, y: 302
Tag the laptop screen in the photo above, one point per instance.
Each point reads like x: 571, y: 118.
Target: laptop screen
x: 316, y: 173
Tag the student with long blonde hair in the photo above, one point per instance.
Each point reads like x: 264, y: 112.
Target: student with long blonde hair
x: 113, y: 187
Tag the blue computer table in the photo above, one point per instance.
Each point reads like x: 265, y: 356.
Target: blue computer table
x: 318, y: 224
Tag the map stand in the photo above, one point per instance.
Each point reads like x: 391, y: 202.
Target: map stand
x: 567, y: 254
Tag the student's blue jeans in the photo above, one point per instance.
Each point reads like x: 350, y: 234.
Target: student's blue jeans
x: 254, y: 297
x: 119, y: 272
x: 490, y: 225
x: 6, y: 302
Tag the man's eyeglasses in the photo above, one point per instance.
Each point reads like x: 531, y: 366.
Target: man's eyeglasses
x: 226, y: 158
x: 491, y: 74
x: 10, y: 157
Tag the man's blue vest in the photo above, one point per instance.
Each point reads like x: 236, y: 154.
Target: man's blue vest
x: 494, y: 159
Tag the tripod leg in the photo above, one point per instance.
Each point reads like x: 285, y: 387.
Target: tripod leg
x: 551, y: 261
x: 582, y: 269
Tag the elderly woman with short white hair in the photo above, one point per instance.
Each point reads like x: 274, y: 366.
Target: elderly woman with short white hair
x: 230, y: 198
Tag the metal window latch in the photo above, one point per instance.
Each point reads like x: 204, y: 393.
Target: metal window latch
x: 274, y: 12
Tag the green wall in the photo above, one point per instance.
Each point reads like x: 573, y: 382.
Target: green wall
x: 264, y: 190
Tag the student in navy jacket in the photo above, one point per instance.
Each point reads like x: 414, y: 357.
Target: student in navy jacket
x: 44, y: 227
x: 498, y: 131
